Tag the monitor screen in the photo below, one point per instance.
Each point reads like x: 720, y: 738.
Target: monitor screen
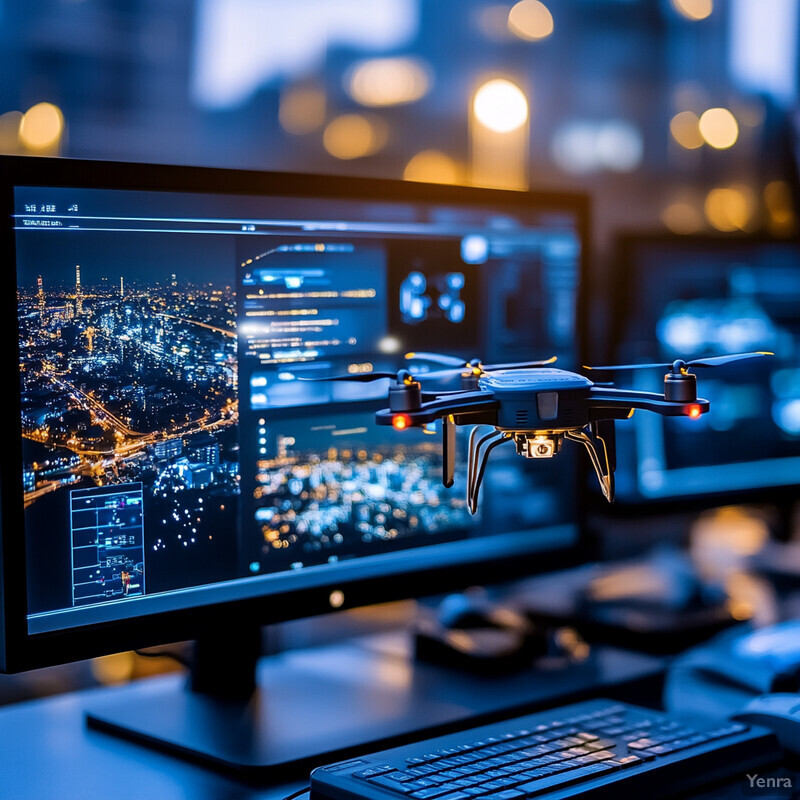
x: 697, y: 297
x: 174, y: 454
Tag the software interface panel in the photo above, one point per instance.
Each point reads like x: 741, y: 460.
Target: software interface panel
x: 175, y: 452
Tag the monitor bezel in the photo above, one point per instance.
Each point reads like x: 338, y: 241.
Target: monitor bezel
x: 622, y: 295
x: 20, y: 650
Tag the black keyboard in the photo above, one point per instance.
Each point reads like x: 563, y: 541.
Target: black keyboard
x: 588, y: 749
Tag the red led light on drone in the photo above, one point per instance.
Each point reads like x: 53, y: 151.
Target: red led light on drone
x: 401, y: 421
x: 692, y: 410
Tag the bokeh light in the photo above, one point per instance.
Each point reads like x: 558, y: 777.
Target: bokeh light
x: 302, y: 109
x: 387, y: 81
x: 619, y: 146
x: 500, y: 105
x: 573, y: 147
x: 730, y: 208
x: 530, y: 20
x: 355, y: 136
x: 719, y: 128
x: 685, y: 130
x: 782, y: 220
x: 682, y: 218
x: 41, y: 127
x: 694, y: 9
x: 582, y: 146
x: 432, y: 166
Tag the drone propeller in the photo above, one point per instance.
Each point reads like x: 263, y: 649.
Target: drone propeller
x: 678, y: 365
x: 439, y: 358
x: 519, y: 365
x: 361, y: 377
x: 459, y: 364
x: 403, y: 376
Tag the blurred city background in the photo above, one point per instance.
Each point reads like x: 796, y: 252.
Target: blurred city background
x: 675, y: 114
x: 679, y: 116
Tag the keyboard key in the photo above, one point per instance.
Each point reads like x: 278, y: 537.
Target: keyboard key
x: 508, y: 794
x: 430, y: 793
x: 456, y: 796
x: 605, y: 743
x: 625, y: 761
x: 387, y: 783
x: 640, y: 744
x: 726, y: 730
x: 662, y: 749
x: 500, y: 783
x: 566, y: 779
x: 372, y: 772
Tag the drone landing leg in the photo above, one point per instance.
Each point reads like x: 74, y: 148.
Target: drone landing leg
x: 604, y: 429
x: 480, y: 458
x: 448, y: 451
x: 600, y: 454
x: 474, y: 449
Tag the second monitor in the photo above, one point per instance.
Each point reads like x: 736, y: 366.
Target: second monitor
x: 696, y: 296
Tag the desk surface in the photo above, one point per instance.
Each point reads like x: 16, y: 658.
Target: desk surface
x: 46, y: 750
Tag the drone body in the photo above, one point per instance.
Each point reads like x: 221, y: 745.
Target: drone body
x: 535, y: 406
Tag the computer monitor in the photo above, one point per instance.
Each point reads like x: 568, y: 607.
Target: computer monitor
x: 167, y: 470
x: 695, y: 296
x: 171, y: 473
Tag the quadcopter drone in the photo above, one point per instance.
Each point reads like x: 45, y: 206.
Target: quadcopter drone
x: 533, y: 405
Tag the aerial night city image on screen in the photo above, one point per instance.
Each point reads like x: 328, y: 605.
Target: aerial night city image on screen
x: 128, y: 383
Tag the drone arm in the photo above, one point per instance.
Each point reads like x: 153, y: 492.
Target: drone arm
x: 478, y: 407
x: 608, y: 403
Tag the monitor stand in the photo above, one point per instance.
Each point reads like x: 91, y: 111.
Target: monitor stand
x: 280, y: 716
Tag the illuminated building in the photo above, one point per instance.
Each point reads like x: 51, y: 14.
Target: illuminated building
x: 203, y: 449
x: 40, y: 295
x: 170, y: 448
x: 198, y: 476
x: 29, y: 480
x: 78, y: 291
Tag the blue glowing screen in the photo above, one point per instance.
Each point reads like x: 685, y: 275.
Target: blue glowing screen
x: 701, y: 297
x: 174, y: 453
